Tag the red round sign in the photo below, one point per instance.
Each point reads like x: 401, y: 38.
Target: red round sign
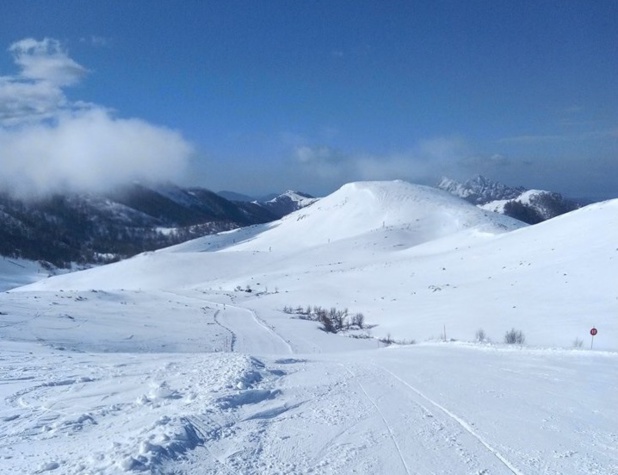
x: 593, y: 331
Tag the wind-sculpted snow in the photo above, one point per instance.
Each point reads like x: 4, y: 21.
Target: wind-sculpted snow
x: 125, y: 413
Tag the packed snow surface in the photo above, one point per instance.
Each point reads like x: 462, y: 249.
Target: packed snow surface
x: 183, y: 361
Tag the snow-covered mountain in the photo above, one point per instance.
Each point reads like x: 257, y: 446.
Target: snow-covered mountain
x: 184, y: 360
x: 480, y: 190
x: 530, y: 206
x: 234, y: 196
x: 402, y: 246
x: 96, y: 228
x: 287, y: 202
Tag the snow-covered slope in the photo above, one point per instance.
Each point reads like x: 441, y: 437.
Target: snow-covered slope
x: 165, y: 363
x: 356, y: 209
x: 17, y: 272
x: 425, y: 261
x: 287, y: 202
x: 350, y: 224
x: 525, y: 198
x: 480, y: 190
x: 530, y: 206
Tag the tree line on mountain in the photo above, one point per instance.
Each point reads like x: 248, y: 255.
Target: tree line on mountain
x: 96, y: 228
x: 71, y: 229
x: 542, y: 206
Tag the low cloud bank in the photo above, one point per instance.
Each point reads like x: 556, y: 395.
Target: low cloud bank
x: 49, y: 143
x: 424, y: 163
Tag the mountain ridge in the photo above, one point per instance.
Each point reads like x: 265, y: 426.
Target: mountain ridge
x: 97, y: 228
x: 530, y: 206
x: 458, y: 266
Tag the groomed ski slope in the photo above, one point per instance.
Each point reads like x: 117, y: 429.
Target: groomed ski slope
x: 166, y: 364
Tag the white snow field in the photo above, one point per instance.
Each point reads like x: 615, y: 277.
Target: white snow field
x: 166, y: 364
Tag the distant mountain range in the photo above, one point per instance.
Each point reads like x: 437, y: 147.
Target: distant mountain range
x: 529, y: 206
x: 280, y: 205
x: 88, y: 228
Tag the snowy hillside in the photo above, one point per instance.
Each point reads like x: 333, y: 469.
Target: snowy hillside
x: 183, y: 360
x: 534, y: 206
x: 17, y: 272
x: 530, y: 206
x: 413, y: 212
x: 413, y: 259
x: 526, y: 198
x: 480, y: 190
x: 287, y: 202
x: 97, y: 228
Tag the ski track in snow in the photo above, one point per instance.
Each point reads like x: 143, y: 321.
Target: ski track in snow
x: 249, y: 420
x: 269, y: 329
x: 386, y: 424
x: 232, y: 334
x: 222, y: 314
x: 457, y: 419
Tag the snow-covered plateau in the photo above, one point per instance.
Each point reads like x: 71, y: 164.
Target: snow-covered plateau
x: 183, y: 360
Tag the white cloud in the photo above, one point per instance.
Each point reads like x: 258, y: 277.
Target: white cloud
x: 35, y: 93
x: 94, y: 40
x: 48, y: 143
x: 22, y: 102
x: 90, y: 150
x: 425, y: 162
x: 46, y: 61
x: 324, y: 163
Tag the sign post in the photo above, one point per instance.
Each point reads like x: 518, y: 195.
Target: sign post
x: 593, y: 331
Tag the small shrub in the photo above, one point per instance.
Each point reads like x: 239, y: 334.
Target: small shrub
x: 327, y: 324
x: 513, y: 337
x: 388, y: 340
x: 358, y: 320
x: 480, y: 335
x: 578, y: 343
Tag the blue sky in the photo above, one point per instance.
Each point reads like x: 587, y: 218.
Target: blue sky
x: 261, y: 96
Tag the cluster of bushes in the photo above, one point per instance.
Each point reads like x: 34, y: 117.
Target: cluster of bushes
x: 332, y: 320
x: 388, y: 340
x: 516, y: 337
x: 247, y: 289
x: 511, y: 337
